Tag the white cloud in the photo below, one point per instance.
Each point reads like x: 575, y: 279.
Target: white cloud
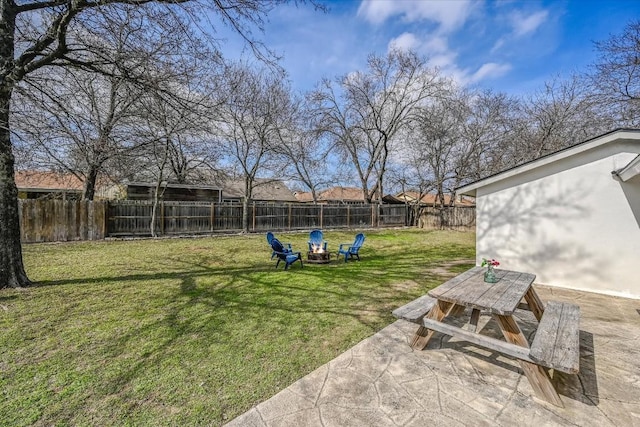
x: 435, y: 44
x: 497, y: 45
x: 430, y: 45
x: 446, y: 61
x: 450, y: 15
x: 523, y: 25
x: 449, y: 68
x: 488, y: 71
x: 436, y: 49
x: 405, y: 41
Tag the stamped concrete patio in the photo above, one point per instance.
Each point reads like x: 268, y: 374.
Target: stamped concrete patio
x: 383, y: 382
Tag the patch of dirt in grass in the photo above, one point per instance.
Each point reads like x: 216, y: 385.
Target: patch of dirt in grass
x: 405, y: 286
x: 444, y: 269
x: 199, y: 248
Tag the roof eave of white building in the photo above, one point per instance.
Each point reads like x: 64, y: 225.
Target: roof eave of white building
x: 629, y: 171
x: 620, y: 135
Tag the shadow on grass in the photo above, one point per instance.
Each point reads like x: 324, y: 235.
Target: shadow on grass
x: 353, y: 289
x: 361, y: 290
x: 375, y: 265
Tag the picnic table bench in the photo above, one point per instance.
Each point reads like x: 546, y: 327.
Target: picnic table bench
x: 556, y: 342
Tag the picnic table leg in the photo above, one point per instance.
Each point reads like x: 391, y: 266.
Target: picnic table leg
x: 535, y: 304
x: 440, y: 310
x: 473, y: 321
x: 536, y: 374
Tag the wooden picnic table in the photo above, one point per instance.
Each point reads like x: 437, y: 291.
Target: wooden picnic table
x: 556, y: 344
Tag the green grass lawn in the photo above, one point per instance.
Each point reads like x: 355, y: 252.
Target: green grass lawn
x: 195, y: 331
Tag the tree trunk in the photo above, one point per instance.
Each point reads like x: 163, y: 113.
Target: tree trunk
x: 89, y: 190
x: 154, y: 208
x: 245, y: 214
x: 12, y: 274
x: 248, y: 195
x: 157, y: 195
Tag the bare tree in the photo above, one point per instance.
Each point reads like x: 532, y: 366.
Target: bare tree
x: 303, y: 150
x: 77, y: 121
x: 250, y: 124
x: 36, y: 34
x: 441, y: 143
x: 455, y: 138
x: 487, y: 134
x: 615, y: 76
x: 364, y: 111
x: 175, y: 138
x: 410, y: 171
x: 563, y: 113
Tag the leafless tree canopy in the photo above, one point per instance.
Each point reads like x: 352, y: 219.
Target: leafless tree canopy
x: 251, y: 120
x: 301, y: 150
x: 364, y: 111
x: 615, y: 77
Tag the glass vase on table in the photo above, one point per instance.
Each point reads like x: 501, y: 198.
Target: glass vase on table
x: 490, y: 274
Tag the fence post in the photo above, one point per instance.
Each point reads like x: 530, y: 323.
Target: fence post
x: 321, y: 212
x: 254, y: 216
x: 289, y: 216
x: 105, y: 221
x: 372, y: 216
x: 212, y: 215
x: 161, y: 217
x: 348, y: 217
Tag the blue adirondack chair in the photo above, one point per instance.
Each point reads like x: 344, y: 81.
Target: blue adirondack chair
x: 286, y: 246
x: 316, y: 241
x: 350, y: 250
x: 289, y: 257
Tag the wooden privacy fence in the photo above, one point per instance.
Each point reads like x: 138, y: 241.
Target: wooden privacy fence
x: 448, y: 217
x: 127, y: 218
x: 57, y: 220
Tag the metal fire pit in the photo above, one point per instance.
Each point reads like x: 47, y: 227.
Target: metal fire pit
x: 319, y: 257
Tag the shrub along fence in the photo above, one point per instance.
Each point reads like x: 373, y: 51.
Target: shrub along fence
x: 57, y: 220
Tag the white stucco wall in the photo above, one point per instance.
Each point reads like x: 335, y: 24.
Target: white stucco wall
x: 569, y: 223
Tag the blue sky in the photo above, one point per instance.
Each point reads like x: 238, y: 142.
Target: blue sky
x: 510, y: 46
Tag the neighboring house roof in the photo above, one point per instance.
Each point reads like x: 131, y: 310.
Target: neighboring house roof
x: 174, y: 185
x: 303, y: 196
x: 616, y: 141
x: 170, y: 192
x: 264, y: 190
x: 431, y: 199
x: 393, y: 200
x: 47, y: 181
x: 341, y: 194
